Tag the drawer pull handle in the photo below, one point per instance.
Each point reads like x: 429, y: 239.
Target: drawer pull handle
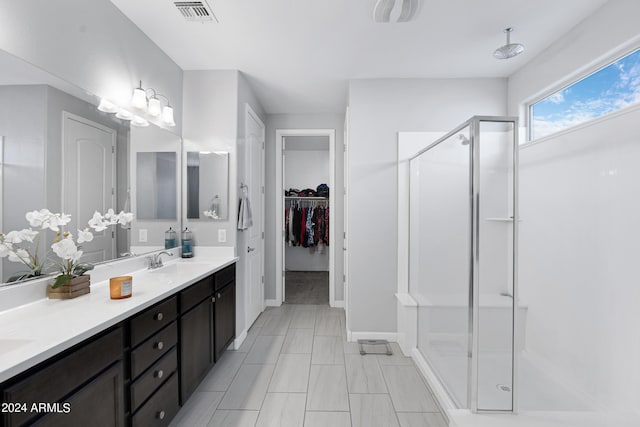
x: 161, y: 415
x: 159, y: 373
x: 213, y: 299
x: 159, y: 316
x: 218, y: 296
x: 159, y: 345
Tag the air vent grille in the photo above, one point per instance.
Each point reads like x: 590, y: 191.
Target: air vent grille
x: 196, y: 11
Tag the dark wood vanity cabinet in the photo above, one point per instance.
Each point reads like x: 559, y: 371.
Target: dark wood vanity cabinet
x: 82, y: 386
x: 136, y: 373
x: 196, y: 335
x: 224, y: 310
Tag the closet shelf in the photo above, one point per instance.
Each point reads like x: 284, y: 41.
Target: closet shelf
x: 305, y: 198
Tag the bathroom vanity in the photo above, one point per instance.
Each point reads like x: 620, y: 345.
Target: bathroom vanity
x: 96, y: 361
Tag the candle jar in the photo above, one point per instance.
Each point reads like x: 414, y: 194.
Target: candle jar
x: 120, y: 287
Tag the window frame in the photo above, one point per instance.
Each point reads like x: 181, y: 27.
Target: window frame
x: 580, y: 75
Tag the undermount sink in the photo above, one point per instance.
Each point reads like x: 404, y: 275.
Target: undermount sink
x: 181, y: 268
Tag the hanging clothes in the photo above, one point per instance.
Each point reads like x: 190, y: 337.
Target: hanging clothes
x: 307, y: 226
x: 309, y: 238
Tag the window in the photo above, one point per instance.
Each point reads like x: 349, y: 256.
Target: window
x: 609, y: 89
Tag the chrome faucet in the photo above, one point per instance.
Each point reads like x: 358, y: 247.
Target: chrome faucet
x: 155, y: 260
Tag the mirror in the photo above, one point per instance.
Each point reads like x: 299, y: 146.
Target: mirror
x: 156, y: 185
x: 58, y: 152
x: 207, y: 185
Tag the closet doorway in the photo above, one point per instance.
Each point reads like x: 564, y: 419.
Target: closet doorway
x: 305, y: 252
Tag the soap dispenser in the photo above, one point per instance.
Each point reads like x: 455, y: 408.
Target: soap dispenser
x: 170, y: 238
x: 187, y: 243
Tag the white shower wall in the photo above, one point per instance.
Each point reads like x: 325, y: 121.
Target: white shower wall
x: 578, y: 256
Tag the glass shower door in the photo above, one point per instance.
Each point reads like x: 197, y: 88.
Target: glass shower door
x: 440, y: 245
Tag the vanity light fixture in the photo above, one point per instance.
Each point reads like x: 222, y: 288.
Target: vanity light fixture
x: 107, y: 107
x: 124, y: 114
x: 139, y: 121
x: 151, y: 105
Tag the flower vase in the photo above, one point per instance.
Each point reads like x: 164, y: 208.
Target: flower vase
x: 73, y: 288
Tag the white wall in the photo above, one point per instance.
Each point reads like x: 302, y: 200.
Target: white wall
x: 378, y: 109
x: 306, y: 169
x: 578, y: 235
x: 92, y: 45
x: 210, y: 107
x: 302, y: 121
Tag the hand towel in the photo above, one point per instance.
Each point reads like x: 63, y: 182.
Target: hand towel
x: 245, y: 219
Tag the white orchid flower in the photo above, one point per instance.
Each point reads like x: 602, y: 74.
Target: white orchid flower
x: 37, y: 218
x: 20, y: 236
x: 84, y: 236
x: 66, y: 249
x: 125, y: 217
x: 5, y: 249
x: 19, y: 256
x: 97, y: 222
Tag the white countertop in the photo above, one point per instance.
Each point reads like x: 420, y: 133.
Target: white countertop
x: 32, y: 333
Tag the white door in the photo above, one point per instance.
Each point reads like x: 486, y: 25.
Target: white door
x: 254, y: 265
x: 88, y: 165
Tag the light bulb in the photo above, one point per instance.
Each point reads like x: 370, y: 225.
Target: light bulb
x: 107, y: 107
x: 155, y: 108
x: 167, y: 116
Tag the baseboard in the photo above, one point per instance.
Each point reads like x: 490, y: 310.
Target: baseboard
x: 239, y: 340
x: 272, y: 303
x: 355, y: 336
x: 442, y: 398
x: 338, y: 304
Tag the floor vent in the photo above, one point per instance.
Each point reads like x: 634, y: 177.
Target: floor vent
x: 196, y: 11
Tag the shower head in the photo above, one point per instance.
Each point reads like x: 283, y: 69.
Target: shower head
x: 509, y: 50
x: 463, y: 139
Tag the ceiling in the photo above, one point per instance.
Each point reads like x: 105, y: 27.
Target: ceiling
x: 299, y: 55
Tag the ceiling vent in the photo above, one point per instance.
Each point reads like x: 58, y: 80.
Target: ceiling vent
x: 196, y: 11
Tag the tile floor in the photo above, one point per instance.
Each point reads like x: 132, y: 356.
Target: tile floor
x: 296, y: 369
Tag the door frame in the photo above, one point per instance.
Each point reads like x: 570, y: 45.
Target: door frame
x: 249, y: 112
x: 279, y: 225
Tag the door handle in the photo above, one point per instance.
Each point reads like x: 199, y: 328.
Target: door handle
x: 250, y: 249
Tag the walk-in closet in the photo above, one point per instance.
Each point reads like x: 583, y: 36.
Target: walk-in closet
x: 306, y: 215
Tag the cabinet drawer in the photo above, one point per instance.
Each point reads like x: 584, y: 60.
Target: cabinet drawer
x: 161, y: 408
x: 65, y: 375
x: 152, y: 349
x: 148, y: 382
x: 196, y: 293
x: 225, y: 276
x: 153, y: 319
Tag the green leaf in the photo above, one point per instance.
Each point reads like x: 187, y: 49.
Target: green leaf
x: 80, y: 269
x: 61, y: 280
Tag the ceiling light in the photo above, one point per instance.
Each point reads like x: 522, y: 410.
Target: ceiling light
x: 509, y: 50
x: 139, y: 121
x: 124, y: 114
x: 107, y: 107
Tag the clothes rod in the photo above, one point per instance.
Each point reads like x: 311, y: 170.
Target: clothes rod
x: 305, y: 198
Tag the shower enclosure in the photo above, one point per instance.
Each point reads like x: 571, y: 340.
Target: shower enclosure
x: 462, y: 261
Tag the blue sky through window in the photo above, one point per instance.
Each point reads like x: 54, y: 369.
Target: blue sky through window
x: 611, y: 88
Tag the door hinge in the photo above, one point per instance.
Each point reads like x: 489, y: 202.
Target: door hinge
x: 344, y: 278
x: 262, y: 189
x: 113, y: 191
x: 262, y: 279
x: 263, y: 235
x: 344, y: 234
x: 113, y: 234
x: 263, y: 145
x: 113, y: 149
